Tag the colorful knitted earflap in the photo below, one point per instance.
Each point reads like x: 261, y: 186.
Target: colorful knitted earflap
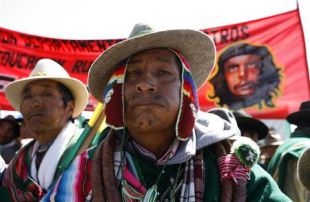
x: 114, y: 100
x: 189, y: 102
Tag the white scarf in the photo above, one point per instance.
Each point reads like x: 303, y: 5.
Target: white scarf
x: 44, y: 177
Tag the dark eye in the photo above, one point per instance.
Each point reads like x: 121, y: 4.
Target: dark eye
x: 132, y: 74
x: 164, y: 72
x: 231, y: 68
x: 252, y: 65
x: 46, y: 94
x: 26, y: 96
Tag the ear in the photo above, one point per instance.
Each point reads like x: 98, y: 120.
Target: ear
x: 69, y: 109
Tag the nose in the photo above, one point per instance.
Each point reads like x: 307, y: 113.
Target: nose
x: 36, y: 101
x: 243, y: 72
x: 146, y: 83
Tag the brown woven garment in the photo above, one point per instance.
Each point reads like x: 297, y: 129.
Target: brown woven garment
x: 104, y: 186
x: 230, y: 191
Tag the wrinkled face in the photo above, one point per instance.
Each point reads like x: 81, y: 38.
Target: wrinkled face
x: 6, y: 132
x: 152, y: 91
x: 43, y: 108
x: 241, y: 74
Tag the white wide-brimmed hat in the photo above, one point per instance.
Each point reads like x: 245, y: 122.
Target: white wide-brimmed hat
x: 51, y: 70
x: 196, y: 46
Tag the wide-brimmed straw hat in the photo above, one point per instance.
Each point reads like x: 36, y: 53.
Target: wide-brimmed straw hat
x: 196, y: 46
x: 51, y: 70
x: 303, y: 168
x: 244, y: 120
x: 302, y: 116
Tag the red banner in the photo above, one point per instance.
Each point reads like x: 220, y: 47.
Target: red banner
x: 263, y: 60
x: 19, y: 53
x: 261, y: 67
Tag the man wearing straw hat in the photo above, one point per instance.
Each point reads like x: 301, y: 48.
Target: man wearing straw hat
x: 158, y: 146
x: 49, y: 100
x: 283, y: 165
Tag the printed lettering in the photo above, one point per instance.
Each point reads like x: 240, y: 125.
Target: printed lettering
x: 81, y: 66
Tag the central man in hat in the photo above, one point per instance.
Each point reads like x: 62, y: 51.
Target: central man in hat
x: 49, y: 99
x: 158, y: 144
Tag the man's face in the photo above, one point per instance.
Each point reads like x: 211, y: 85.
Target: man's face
x: 241, y: 74
x: 152, y: 91
x: 6, y: 132
x: 43, y: 108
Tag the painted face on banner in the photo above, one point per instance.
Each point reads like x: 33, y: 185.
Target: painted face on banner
x: 241, y: 74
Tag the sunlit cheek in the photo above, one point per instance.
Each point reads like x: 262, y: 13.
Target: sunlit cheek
x: 231, y: 81
x: 253, y: 75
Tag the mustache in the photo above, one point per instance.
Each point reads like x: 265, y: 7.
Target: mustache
x: 41, y: 112
x: 247, y: 84
x: 150, y: 99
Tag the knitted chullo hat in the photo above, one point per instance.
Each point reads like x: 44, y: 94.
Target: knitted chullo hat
x: 195, y: 50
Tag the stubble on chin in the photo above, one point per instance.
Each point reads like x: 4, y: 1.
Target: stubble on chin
x: 143, y: 121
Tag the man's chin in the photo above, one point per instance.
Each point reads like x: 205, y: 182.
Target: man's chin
x: 145, y: 124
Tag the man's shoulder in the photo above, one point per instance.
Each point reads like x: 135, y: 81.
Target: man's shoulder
x: 293, y: 146
x: 210, y: 128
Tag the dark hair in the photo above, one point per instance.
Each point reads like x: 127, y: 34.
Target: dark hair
x: 267, y: 85
x: 66, y: 95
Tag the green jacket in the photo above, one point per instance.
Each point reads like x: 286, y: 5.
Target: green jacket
x: 260, y: 187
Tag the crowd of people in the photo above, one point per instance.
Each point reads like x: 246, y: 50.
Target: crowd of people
x: 157, y: 145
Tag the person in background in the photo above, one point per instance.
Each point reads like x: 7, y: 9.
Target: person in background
x: 3, y: 166
x: 9, y: 134
x: 49, y: 100
x: 158, y: 145
x: 283, y: 165
x: 268, y: 146
x: 250, y: 127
